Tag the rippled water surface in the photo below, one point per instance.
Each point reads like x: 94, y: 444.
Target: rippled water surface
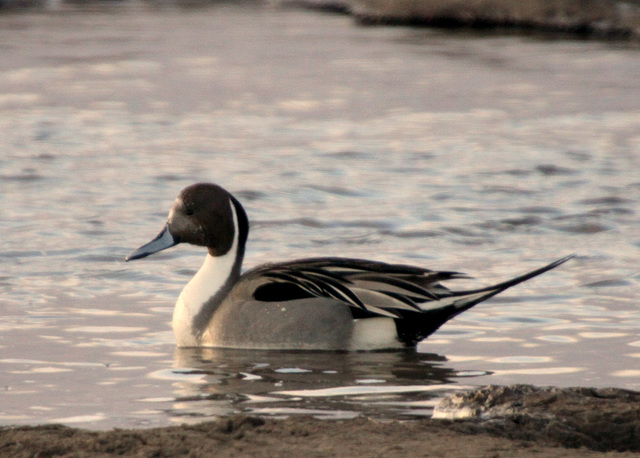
x: 486, y: 155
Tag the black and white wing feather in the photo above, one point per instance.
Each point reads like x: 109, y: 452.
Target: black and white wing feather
x: 376, y: 289
x: 369, y: 288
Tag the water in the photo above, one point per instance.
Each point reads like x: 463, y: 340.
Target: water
x: 490, y: 155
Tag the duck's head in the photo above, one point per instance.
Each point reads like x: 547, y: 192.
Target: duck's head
x: 204, y: 214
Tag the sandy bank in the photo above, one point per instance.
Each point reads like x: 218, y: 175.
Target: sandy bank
x: 507, y: 421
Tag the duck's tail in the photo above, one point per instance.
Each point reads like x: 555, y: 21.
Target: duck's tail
x: 437, y: 312
x: 464, y: 300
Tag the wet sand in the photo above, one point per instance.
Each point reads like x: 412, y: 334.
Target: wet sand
x: 519, y: 420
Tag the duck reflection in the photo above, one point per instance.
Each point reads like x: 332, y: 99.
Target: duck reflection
x: 218, y: 382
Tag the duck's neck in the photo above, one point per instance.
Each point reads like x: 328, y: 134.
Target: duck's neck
x: 207, y: 289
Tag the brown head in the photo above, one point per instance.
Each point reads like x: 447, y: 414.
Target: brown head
x: 202, y: 215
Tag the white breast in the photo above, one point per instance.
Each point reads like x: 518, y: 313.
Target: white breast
x: 202, y: 287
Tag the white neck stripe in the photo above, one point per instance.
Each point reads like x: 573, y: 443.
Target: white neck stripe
x: 205, y: 284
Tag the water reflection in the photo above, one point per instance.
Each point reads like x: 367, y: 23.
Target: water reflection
x: 215, y: 382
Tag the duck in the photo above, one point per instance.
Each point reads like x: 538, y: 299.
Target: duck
x: 321, y: 303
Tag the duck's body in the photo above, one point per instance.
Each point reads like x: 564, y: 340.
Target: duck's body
x: 314, y: 304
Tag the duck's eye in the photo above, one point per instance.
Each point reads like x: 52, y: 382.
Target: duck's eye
x: 189, y: 211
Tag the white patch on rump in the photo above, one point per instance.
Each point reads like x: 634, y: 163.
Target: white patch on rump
x: 374, y: 334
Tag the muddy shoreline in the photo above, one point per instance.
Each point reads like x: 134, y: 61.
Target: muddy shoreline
x: 602, y: 19
x: 518, y: 420
x: 599, y: 19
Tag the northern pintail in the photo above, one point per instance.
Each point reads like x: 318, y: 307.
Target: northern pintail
x: 315, y: 304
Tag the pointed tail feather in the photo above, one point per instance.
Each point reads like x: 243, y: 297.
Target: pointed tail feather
x: 436, y: 313
x: 464, y: 300
x: 514, y: 281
